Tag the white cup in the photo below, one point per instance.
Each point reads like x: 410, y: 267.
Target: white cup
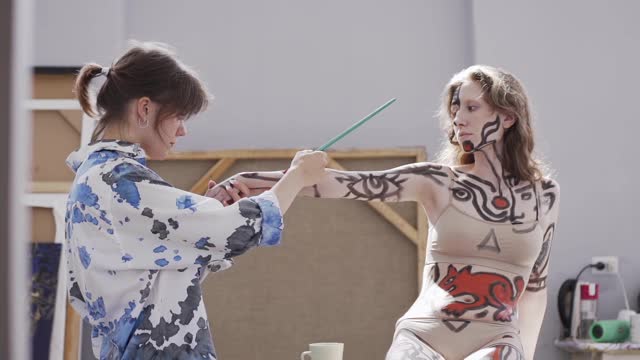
x: 635, y: 328
x: 323, y: 351
x: 625, y: 315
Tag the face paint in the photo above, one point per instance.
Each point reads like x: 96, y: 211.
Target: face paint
x: 455, y: 99
x: 489, y: 129
x: 499, y: 201
x: 467, y: 145
x: 476, y: 122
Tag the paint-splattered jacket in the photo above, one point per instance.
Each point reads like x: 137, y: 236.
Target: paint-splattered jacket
x: 138, y: 249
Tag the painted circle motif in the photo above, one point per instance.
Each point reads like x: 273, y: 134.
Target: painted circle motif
x: 500, y: 202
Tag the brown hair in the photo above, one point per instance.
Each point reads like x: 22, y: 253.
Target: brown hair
x: 146, y: 69
x: 504, y: 93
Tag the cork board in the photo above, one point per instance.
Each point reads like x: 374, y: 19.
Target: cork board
x: 342, y: 274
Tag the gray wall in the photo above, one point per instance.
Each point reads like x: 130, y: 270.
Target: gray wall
x: 73, y: 32
x: 285, y: 73
x: 291, y: 73
x: 579, y: 61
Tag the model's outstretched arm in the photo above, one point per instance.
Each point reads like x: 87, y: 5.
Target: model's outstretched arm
x: 404, y: 183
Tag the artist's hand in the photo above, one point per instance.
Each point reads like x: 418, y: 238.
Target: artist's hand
x: 311, y: 165
x: 228, y: 192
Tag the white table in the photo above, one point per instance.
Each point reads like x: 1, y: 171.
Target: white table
x: 604, y: 351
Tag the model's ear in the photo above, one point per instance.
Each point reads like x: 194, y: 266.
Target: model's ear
x: 508, y: 121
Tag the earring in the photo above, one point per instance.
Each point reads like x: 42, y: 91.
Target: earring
x: 144, y: 123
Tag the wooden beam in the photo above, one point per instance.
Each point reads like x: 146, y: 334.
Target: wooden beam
x: 53, y: 104
x: 396, y: 220
x: 72, y: 333
x: 214, y: 173
x: 289, y: 153
x: 56, y: 70
x: 73, y: 118
x: 421, y: 156
x: 50, y: 187
x: 423, y: 229
x: 387, y: 212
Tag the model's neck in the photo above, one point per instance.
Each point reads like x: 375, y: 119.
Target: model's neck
x: 488, y: 162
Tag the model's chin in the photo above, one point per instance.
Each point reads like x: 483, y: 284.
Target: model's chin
x: 467, y: 146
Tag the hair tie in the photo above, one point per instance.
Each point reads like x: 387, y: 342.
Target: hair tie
x: 104, y: 71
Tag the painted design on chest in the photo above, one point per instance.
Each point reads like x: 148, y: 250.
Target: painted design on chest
x: 489, y: 202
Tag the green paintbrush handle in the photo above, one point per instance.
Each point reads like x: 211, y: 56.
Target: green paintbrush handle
x: 355, y: 126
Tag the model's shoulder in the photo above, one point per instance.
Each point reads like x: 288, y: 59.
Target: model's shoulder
x: 432, y: 166
x: 549, y: 184
x: 437, y: 172
x: 550, y: 197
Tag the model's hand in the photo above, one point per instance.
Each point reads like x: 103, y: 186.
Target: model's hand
x: 228, y: 192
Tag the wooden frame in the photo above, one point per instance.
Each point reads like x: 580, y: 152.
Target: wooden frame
x: 227, y: 158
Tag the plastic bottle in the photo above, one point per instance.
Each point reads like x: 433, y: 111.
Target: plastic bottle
x: 588, y: 307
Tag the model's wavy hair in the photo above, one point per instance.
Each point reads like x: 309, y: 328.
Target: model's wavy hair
x: 504, y: 93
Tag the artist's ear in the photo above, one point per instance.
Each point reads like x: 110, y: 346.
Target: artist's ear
x: 143, y: 105
x: 508, y: 121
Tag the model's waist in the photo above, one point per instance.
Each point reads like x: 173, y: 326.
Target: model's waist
x: 477, y: 261
x: 454, y: 324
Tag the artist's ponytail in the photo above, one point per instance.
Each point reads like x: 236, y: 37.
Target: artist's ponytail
x: 81, y: 88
